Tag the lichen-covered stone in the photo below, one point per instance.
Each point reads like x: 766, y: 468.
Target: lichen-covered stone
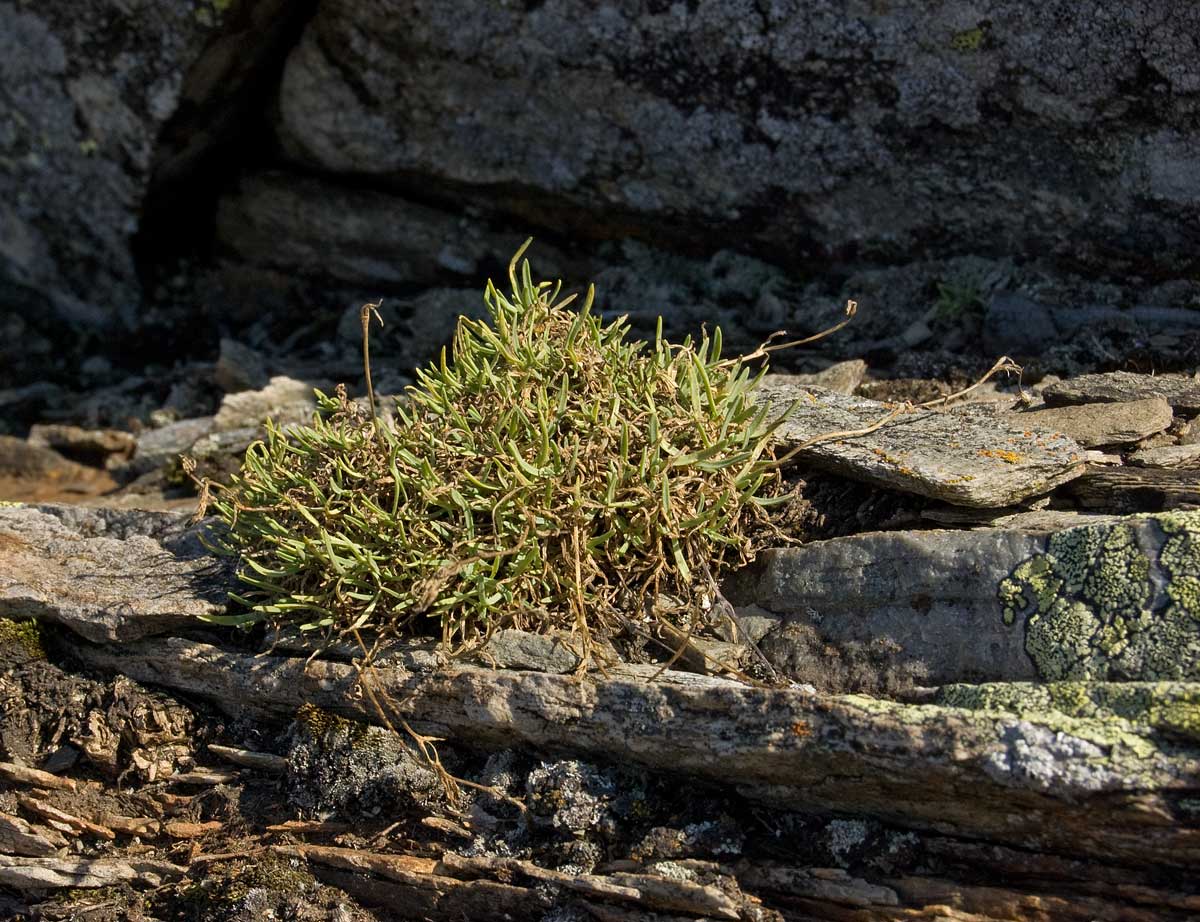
x: 1141, y: 708
x: 968, y: 455
x: 1102, y: 602
x: 108, y: 574
x: 335, y: 764
x: 105, y: 106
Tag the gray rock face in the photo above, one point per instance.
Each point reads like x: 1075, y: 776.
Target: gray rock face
x: 807, y: 128
x: 1105, y: 601
x: 1181, y: 391
x: 164, y: 445
x: 969, y: 455
x: 1093, y: 424
x: 107, y: 574
x: 86, y: 89
x: 239, y: 368
x: 513, y: 649
x: 842, y: 377
x: 281, y: 222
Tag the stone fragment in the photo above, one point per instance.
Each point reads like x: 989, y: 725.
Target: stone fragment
x: 1182, y: 392
x: 513, y: 649
x: 91, y: 446
x: 32, y: 472
x: 968, y: 455
x: 239, y: 368
x: 283, y: 400
x: 42, y: 874
x: 164, y: 445
x: 1111, y: 601
x: 17, y: 837
x: 1136, y: 489
x: 1167, y: 456
x: 107, y: 574
x: 1092, y: 424
x: 19, y: 458
x: 841, y: 377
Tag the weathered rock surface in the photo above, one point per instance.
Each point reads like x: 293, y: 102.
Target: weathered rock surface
x: 512, y: 649
x: 239, y: 368
x: 1047, y: 784
x: 1136, y: 489
x: 1181, y: 391
x: 1092, y: 424
x: 107, y: 574
x: 1167, y: 456
x: 164, y: 445
x: 90, y: 91
x: 841, y: 377
x: 861, y: 134
x: 1080, y: 788
x: 92, y: 446
x: 29, y: 472
x: 343, y: 233
x: 969, y: 455
x: 1106, y: 601
x: 283, y: 399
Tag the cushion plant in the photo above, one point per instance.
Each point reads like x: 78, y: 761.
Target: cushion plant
x: 547, y: 474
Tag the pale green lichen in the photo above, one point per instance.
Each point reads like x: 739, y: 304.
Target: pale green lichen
x: 1124, y: 708
x: 1181, y: 558
x: 1140, y: 751
x: 6, y: 504
x: 1097, y: 604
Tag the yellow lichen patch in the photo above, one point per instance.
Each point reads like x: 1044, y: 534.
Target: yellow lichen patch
x: 1138, y: 708
x: 1002, y: 454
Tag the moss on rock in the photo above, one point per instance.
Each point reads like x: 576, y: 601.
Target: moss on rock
x: 23, y: 635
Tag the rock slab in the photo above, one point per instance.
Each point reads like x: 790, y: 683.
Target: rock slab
x: 872, y: 132
x: 968, y: 455
x: 1093, y: 424
x: 107, y: 574
x: 1180, y: 391
x: 1111, y: 601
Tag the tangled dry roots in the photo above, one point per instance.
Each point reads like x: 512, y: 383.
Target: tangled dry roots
x: 548, y: 475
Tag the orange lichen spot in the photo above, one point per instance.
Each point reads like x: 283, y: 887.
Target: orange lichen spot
x: 802, y: 729
x: 1002, y: 454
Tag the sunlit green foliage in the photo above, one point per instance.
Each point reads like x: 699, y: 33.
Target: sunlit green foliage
x: 546, y: 474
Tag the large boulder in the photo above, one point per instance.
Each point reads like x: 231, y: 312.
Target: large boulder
x: 92, y: 95
x: 804, y: 130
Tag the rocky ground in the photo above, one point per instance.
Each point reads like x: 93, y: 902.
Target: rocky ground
x: 970, y: 693
x: 973, y: 693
